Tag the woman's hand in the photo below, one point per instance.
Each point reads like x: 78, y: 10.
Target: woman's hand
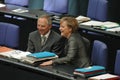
x: 47, y: 63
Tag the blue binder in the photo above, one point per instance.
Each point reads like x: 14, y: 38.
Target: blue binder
x: 42, y: 54
x: 89, y: 69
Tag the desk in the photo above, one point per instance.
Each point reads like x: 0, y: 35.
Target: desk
x: 107, y: 33
x: 12, y: 70
x: 33, y: 14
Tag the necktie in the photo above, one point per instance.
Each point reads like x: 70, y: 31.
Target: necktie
x: 43, y: 40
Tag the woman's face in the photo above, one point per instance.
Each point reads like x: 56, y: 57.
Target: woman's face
x: 65, y: 30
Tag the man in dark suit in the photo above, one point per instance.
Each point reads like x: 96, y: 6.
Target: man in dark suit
x: 35, y: 40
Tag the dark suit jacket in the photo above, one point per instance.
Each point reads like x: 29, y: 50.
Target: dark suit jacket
x: 75, y: 52
x: 34, y: 42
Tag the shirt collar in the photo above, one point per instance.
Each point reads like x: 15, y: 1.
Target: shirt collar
x: 46, y: 35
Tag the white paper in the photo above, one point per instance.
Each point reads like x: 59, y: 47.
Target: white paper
x: 19, y: 10
x: 2, y: 5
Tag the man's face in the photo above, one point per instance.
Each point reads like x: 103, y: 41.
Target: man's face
x: 42, y: 26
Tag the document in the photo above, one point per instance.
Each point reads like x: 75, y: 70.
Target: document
x: 19, y: 10
x: 81, y: 19
x: 106, y: 76
x: 16, y: 54
x: 92, y: 23
x: 2, y: 5
x: 116, y: 29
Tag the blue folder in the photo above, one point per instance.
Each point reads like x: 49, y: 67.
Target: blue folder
x: 42, y: 54
x: 89, y: 69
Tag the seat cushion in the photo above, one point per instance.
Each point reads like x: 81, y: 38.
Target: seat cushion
x: 99, y: 53
x: 17, y: 2
x: 58, y: 6
x: 9, y: 35
x: 97, y: 9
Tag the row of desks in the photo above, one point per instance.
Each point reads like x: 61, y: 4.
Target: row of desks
x: 34, y: 14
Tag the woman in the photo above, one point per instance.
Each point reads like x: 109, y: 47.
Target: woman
x: 74, y: 50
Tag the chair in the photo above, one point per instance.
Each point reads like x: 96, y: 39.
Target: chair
x: 99, y: 53
x: 56, y: 7
x: 117, y: 63
x: 97, y: 9
x: 17, y: 2
x: 9, y: 35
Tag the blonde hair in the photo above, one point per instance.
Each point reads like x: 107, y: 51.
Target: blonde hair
x: 71, y: 23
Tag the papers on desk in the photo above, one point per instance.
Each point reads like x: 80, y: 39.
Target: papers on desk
x: 26, y: 57
x: 92, y: 23
x: 107, y: 24
x: 117, y: 29
x: 81, y: 19
x: 16, y: 54
x: 106, y: 76
x: 2, y: 5
x: 19, y: 10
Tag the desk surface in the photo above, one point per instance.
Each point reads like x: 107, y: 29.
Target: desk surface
x: 33, y: 14
x: 56, y: 71
x: 107, y: 33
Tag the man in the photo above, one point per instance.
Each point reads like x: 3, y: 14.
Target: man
x: 35, y: 40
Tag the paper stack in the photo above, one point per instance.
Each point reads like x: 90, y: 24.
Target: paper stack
x: 89, y: 71
x: 37, y: 58
x: 106, y: 76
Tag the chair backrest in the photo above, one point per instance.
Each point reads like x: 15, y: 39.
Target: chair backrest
x: 35, y: 4
x: 99, y: 53
x: 97, y: 9
x: 17, y: 2
x: 56, y: 6
x: 117, y: 63
x: 9, y: 35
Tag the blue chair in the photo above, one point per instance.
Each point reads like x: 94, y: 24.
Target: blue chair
x: 56, y: 6
x: 99, y: 54
x: 117, y: 63
x: 9, y: 35
x: 97, y: 9
x: 17, y: 2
